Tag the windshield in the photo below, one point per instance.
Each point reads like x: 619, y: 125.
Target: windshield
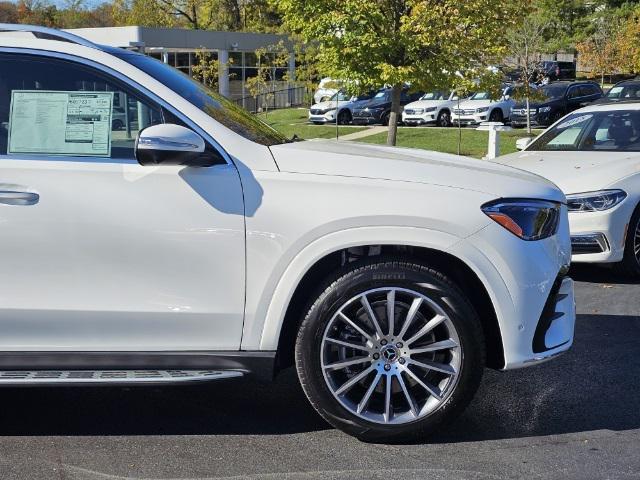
x: 212, y: 103
x: 631, y: 92
x: 340, y: 97
x: 604, y: 131
x: 480, y: 96
x: 553, y: 91
x: 435, y: 96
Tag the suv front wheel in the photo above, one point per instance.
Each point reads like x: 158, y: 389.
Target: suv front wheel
x: 390, y: 351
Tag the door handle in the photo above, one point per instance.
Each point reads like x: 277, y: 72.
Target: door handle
x: 9, y: 197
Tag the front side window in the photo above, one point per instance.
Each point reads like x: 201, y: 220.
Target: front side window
x: 592, y: 131
x: 55, y: 107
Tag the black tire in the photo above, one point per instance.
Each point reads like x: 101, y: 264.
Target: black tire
x: 444, y: 119
x: 377, y: 273
x: 386, y: 117
x: 117, y: 125
x: 318, y: 123
x: 344, y: 117
x: 496, y: 115
x: 630, y: 264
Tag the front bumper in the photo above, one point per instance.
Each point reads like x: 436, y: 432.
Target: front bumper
x: 599, y: 237
x: 537, y: 120
x: 533, y: 302
x: 328, y: 117
x: 360, y: 120
x: 466, y: 119
x: 419, y: 119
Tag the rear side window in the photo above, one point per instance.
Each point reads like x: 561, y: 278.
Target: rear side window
x: 55, y: 107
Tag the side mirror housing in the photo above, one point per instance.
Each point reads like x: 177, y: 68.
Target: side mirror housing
x: 523, y: 143
x: 169, y: 144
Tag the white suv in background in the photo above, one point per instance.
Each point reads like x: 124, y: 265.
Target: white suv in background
x: 205, y: 245
x: 481, y: 107
x: 339, y: 107
x: 432, y: 108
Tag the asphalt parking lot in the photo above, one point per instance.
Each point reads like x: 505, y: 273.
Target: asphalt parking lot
x: 577, y: 417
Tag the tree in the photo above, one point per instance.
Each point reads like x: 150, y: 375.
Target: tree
x: 8, y: 12
x: 569, y: 19
x: 628, y: 43
x: 526, y: 45
x: 397, y: 42
x: 263, y: 84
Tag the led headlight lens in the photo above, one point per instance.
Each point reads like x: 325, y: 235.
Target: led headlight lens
x: 526, y: 219
x: 595, y: 201
x: 544, y: 109
x: 431, y: 109
x: 483, y: 109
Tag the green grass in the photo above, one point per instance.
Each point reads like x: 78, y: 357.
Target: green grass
x: 293, y: 121
x: 474, y: 142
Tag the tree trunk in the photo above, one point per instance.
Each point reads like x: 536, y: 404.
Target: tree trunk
x: 528, y: 115
x: 396, y: 92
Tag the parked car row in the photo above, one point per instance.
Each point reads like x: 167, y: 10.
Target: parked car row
x: 443, y: 108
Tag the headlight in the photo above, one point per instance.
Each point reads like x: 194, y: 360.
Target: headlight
x: 526, y: 219
x: 483, y: 109
x: 326, y: 110
x: 431, y: 109
x: 544, y: 109
x: 595, y: 201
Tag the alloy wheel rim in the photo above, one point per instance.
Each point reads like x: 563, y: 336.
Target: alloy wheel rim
x: 391, y: 356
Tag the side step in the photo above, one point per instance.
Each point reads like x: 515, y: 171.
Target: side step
x: 89, y: 377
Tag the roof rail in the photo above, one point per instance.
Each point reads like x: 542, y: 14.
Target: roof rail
x: 46, y: 33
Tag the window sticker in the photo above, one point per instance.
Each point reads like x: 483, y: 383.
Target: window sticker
x: 60, y: 123
x: 574, y: 121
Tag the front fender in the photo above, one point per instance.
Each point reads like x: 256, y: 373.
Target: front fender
x: 269, y: 317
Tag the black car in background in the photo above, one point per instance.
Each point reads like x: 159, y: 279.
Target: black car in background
x: 378, y: 109
x: 624, y: 91
x: 559, y: 99
x: 554, y: 70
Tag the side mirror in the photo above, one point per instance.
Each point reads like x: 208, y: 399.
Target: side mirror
x: 169, y: 144
x: 523, y: 143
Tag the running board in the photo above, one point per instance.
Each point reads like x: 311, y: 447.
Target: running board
x: 89, y: 377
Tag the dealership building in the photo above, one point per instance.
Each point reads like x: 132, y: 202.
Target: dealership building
x: 235, y: 52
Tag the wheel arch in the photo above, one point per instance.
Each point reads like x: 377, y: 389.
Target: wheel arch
x: 457, y: 270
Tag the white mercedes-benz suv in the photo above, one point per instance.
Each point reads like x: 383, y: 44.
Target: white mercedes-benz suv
x: 195, y: 243
x: 432, y: 108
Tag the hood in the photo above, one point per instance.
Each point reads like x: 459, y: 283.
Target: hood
x: 469, y: 104
x: 351, y: 159
x: 327, y: 104
x: 374, y: 103
x: 426, y: 103
x: 576, y: 172
x: 545, y: 103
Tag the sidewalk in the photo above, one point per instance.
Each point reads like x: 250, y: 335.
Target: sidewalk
x: 364, y: 133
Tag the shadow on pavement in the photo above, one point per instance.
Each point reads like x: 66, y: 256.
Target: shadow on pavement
x: 592, y: 273
x: 594, y: 386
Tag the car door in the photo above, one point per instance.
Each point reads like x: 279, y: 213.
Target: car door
x: 576, y: 97
x: 99, y: 253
